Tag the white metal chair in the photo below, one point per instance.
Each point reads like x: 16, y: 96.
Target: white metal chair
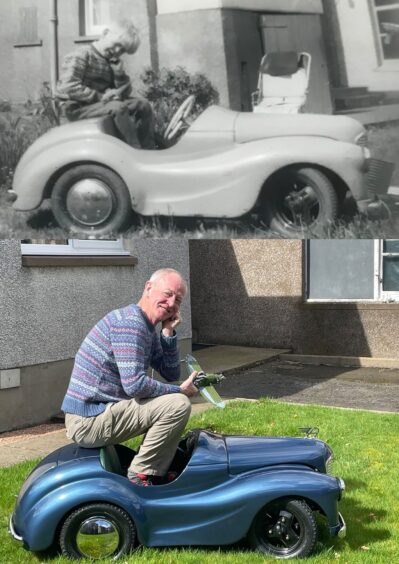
x: 283, y: 83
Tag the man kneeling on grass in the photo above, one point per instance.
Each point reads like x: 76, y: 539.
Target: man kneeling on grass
x: 111, y: 398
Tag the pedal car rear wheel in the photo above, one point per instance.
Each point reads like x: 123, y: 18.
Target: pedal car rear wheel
x: 91, y: 199
x: 299, y: 201
x: 96, y: 531
x: 284, y: 529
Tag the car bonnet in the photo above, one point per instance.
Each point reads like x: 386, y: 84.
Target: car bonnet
x: 251, y: 453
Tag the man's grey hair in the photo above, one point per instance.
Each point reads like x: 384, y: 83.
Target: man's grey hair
x: 127, y: 33
x: 164, y: 272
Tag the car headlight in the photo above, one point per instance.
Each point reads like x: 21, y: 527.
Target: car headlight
x: 362, y: 139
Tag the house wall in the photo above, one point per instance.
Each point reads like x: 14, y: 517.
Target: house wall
x: 251, y: 293
x: 25, y: 68
x: 363, y: 62
x: 47, y: 311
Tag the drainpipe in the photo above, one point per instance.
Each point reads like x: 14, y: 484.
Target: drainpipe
x: 53, y: 44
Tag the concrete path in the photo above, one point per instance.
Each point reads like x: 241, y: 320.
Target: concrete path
x: 252, y: 373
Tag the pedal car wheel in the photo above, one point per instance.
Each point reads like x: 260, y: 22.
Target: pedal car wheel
x: 299, y: 201
x: 96, y: 531
x: 91, y: 199
x: 285, y: 529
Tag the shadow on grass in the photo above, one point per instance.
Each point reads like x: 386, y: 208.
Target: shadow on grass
x: 362, y: 521
x: 42, y: 219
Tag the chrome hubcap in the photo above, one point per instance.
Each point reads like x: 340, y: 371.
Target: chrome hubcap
x: 97, y: 538
x: 89, y: 202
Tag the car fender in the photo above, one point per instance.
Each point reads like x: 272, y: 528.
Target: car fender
x: 227, y: 181
x: 35, y: 174
x: 41, y: 522
x: 223, y: 514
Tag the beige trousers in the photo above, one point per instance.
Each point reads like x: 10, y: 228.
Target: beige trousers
x: 162, y: 419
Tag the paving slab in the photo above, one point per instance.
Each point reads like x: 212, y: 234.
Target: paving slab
x: 227, y: 358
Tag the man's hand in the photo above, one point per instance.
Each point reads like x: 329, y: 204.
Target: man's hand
x: 187, y: 387
x: 169, y: 325
x: 110, y: 94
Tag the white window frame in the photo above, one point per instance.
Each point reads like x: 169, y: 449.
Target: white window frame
x: 90, y: 27
x: 383, y: 295
x: 386, y: 63
x: 77, y: 247
x: 380, y: 296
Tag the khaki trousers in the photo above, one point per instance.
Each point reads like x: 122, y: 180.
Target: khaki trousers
x: 162, y: 419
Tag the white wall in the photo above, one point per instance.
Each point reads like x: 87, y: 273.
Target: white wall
x: 363, y: 64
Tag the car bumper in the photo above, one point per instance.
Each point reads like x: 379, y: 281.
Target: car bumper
x: 340, y: 529
x: 13, y: 532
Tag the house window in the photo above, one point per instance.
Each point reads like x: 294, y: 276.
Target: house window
x: 99, y: 14
x: 73, y: 247
x: 387, y: 14
x: 352, y: 270
x: 28, y: 35
x: 75, y: 252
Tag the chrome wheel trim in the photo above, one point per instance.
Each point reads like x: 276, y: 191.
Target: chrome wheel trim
x: 97, y: 538
x: 90, y: 202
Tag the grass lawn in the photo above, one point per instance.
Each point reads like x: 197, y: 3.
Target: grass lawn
x: 366, y: 447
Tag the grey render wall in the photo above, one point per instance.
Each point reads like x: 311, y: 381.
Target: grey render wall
x: 251, y: 293
x: 47, y: 311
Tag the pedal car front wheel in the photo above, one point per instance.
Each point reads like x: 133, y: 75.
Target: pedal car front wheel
x: 284, y: 529
x: 97, y: 531
x: 91, y: 199
x: 299, y: 201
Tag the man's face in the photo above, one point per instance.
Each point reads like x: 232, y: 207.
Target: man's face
x: 164, y: 297
x: 111, y: 45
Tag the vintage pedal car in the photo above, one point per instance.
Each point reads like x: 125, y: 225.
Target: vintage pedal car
x: 227, y: 488
x: 291, y: 172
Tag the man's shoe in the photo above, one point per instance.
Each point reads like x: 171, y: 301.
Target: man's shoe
x: 141, y: 479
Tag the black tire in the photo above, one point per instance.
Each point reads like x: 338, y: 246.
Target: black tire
x: 100, y: 207
x: 75, y: 547
x: 275, y: 522
x: 298, y: 202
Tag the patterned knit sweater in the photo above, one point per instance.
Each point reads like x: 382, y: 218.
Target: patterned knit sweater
x: 112, y: 362
x: 86, y: 75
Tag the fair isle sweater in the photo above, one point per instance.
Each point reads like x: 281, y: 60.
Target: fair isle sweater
x: 86, y: 75
x: 112, y: 362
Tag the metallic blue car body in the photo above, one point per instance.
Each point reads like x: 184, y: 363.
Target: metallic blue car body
x: 225, y: 483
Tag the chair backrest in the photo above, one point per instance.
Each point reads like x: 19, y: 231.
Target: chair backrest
x: 294, y: 84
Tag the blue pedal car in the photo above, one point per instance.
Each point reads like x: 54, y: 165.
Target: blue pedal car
x: 227, y: 488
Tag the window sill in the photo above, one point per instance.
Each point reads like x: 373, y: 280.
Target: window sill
x: 86, y: 39
x: 38, y: 43
x: 360, y: 305
x: 77, y: 261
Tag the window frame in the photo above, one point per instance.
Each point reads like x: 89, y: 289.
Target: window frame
x: 76, y: 247
x: 381, y: 296
x: 387, y: 64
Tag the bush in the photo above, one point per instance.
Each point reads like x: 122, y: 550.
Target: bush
x: 167, y: 89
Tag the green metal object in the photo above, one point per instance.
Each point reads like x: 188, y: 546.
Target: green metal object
x: 205, y: 382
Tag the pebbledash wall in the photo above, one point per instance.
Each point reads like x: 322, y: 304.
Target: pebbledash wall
x: 252, y: 293
x: 47, y: 311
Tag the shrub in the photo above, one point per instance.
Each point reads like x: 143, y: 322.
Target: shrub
x: 168, y: 88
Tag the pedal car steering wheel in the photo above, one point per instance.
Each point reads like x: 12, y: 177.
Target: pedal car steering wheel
x: 179, y: 119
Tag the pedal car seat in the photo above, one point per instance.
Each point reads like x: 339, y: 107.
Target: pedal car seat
x: 110, y: 460
x: 283, y: 83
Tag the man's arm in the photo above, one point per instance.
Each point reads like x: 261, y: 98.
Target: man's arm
x: 128, y: 340
x: 70, y: 85
x: 122, y: 82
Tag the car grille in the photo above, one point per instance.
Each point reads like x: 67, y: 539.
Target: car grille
x: 378, y: 176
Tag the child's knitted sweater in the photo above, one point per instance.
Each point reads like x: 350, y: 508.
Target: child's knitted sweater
x: 112, y: 362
